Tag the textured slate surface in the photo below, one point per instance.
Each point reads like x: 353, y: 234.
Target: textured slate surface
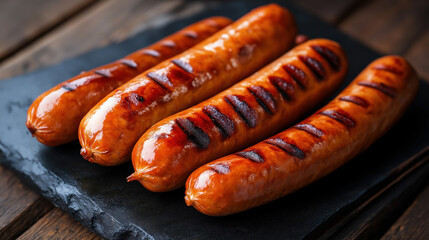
x: 101, y: 199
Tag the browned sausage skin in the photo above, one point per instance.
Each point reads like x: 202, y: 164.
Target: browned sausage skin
x: 110, y: 130
x: 349, y: 124
x: 248, y: 112
x: 54, y: 116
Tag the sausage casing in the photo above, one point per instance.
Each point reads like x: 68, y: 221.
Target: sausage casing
x: 248, y: 112
x: 318, y: 145
x: 54, y: 116
x: 110, y: 130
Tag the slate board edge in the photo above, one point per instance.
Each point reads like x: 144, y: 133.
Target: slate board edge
x: 416, y: 163
x: 115, y: 230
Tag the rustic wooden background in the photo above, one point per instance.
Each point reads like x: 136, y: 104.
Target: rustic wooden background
x: 39, y: 33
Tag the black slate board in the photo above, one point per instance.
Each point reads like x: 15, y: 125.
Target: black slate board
x: 101, y: 199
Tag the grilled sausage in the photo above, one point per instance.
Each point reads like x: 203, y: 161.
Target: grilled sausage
x: 54, y: 116
x: 318, y: 145
x: 110, y: 130
x: 248, y: 112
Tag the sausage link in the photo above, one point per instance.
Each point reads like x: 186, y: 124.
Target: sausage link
x: 313, y: 148
x: 54, y: 116
x: 248, y: 112
x: 110, y: 130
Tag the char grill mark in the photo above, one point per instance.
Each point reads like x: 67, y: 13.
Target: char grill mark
x: 283, y: 87
x: 356, y: 100
x: 103, y: 72
x: 329, y: 56
x: 168, y: 43
x: 191, y: 34
x: 161, y: 80
x: 132, y: 99
x: 219, y: 168
x: 242, y: 108
x: 151, y: 52
x: 315, y: 66
x: 183, y: 65
x: 194, y: 133
x: 69, y: 87
x: 339, y: 117
x: 388, y: 68
x: 128, y: 62
x: 310, y: 129
x: 287, y: 147
x: 264, y: 98
x: 389, y: 91
x: 251, y: 155
x: 221, y: 121
x: 297, y: 75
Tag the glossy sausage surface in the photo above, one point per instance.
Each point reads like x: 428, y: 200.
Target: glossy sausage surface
x: 248, y: 112
x: 318, y: 145
x: 54, y: 116
x: 110, y: 130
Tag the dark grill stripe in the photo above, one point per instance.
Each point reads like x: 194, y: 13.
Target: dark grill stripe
x: 287, y: 147
x: 191, y: 34
x: 389, y: 91
x: 183, y: 65
x: 283, y: 87
x: 251, y: 155
x: 221, y: 121
x: 151, y: 52
x: 310, y: 129
x: 244, y: 111
x: 69, y: 87
x: 329, y: 56
x: 128, y: 62
x: 315, y: 66
x: 161, y: 80
x: 194, y: 133
x: 339, y: 117
x: 103, y: 72
x: 356, y: 100
x: 219, y: 168
x: 264, y: 98
x: 168, y: 43
x: 297, y: 75
x: 388, y: 68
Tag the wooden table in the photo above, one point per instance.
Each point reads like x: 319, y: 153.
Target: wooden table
x: 40, y: 33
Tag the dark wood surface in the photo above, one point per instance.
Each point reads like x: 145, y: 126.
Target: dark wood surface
x: 45, y: 32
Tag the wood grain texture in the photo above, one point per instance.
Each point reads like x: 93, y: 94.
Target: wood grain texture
x: 414, y: 222
x: 101, y: 24
x: 388, y: 26
x: 58, y: 225
x: 24, y: 20
x: 20, y: 206
x: 330, y: 10
x: 418, y: 56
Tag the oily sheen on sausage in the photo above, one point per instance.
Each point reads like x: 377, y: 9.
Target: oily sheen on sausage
x: 313, y: 148
x: 54, y: 116
x: 110, y: 130
x: 248, y: 112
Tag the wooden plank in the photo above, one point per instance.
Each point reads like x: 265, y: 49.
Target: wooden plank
x: 58, y: 225
x: 388, y: 26
x: 20, y: 206
x: 23, y: 24
x: 89, y: 30
x: 414, y: 222
x: 331, y: 11
x: 418, y: 56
